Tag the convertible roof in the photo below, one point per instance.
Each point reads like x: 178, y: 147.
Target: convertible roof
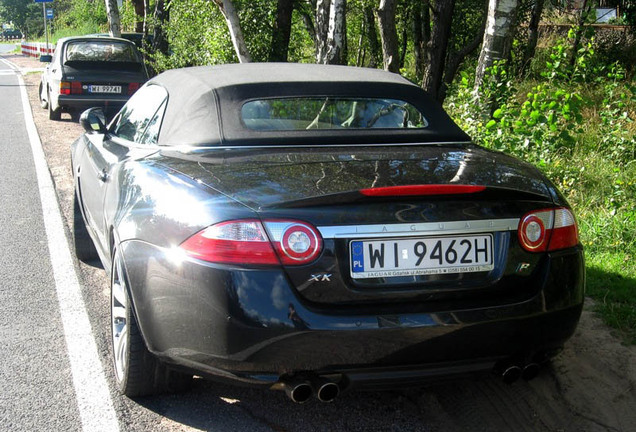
x: 204, y: 104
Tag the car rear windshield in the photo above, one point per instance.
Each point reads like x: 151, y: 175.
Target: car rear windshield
x: 306, y: 113
x: 98, y: 51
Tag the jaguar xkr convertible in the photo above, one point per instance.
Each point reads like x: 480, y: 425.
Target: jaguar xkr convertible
x: 316, y: 229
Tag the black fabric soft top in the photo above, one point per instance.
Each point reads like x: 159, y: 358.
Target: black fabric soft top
x: 204, y: 104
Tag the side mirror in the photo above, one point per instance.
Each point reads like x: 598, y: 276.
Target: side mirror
x: 93, y: 121
x: 46, y: 58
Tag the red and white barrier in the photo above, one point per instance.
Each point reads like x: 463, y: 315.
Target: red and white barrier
x: 36, y: 49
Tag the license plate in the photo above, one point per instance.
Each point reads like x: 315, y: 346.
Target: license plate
x: 421, y: 256
x: 104, y: 89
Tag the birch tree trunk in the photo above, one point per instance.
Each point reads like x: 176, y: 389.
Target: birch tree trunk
x: 322, y: 29
x: 497, y: 37
x: 238, y: 40
x: 331, y: 33
x: 114, y: 23
x: 436, y: 50
x: 388, y: 33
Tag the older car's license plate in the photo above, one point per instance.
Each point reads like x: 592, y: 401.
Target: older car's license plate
x: 104, y: 89
x: 421, y: 256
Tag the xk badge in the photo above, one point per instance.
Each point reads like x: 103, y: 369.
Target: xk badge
x: 323, y: 277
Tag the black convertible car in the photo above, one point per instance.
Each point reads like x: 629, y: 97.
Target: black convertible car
x: 314, y: 229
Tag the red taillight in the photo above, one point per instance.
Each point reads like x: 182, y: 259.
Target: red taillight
x: 246, y: 242
x: 65, y: 88
x: 232, y: 242
x: 548, y: 230
x: 76, y: 87
x: 295, y: 242
x: 407, y: 190
x: 132, y: 88
x: 70, y: 87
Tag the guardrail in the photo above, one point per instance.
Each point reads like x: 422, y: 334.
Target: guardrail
x: 36, y: 49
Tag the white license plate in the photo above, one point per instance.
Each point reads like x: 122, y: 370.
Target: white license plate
x: 104, y: 89
x: 421, y: 256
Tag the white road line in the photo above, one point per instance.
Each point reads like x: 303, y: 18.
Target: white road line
x: 91, y: 390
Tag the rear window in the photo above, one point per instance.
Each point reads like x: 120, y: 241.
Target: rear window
x: 330, y: 113
x: 97, y: 51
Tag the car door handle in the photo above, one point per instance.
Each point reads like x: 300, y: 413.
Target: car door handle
x: 103, y: 176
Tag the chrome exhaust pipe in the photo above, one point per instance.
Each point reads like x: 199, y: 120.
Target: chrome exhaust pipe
x: 511, y: 374
x: 298, y: 391
x: 530, y: 371
x: 327, y: 391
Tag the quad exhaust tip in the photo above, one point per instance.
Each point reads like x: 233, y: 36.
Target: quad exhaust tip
x: 530, y: 371
x: 511, y: 374
x: 301, y: 390
x: 513, y: 371
x: 328, y: 391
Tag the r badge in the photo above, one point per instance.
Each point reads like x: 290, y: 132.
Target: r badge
x: 523, y: 267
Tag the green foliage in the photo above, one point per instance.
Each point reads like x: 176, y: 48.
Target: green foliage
x: 198, y: 36
x: 77, y: 17
x: 26, y: 16
x: 578, y: 125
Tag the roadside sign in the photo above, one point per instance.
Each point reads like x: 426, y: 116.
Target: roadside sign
x: 49, y: 14
x: 43, y: 1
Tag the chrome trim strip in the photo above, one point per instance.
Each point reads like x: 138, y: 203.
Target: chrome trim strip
x: 191, y: 149
x: 418, y: 229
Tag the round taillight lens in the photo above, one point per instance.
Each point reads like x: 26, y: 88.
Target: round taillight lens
x: 533, y: 232
x: 295, y: 242
x: 548, y: 230
x: 300, y: 242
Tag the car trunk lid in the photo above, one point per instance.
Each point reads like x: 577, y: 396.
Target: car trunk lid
x: 383, y: 208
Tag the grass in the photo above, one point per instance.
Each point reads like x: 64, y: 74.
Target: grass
x: 611, y: 282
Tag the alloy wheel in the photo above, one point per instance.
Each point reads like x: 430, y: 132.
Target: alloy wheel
x: 119, y: 320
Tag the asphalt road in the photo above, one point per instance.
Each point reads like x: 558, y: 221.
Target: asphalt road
x: 55, y: 355
x: 37, y: 390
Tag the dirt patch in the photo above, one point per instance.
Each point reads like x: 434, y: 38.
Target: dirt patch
x: 590, y: 386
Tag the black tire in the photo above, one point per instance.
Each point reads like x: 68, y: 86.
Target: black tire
x: 43, y: 102
x: 85, y: 250
x: 54, y: 114
x: 137, y: 371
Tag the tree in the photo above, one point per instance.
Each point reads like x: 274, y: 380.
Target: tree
x: 23, y: 14
x: 421, y: 35
x: 162, y: 18
x: 232, y: 19
x: 497, y: 37
x: 114, y: 22
x: 585, y: 10
x: 141, y: 7
x: 331, y: 36
x: 533, y: 34
x: 282, y: 31
x: 442, y: 11
x: 372, y: 36
x: 388, y: 33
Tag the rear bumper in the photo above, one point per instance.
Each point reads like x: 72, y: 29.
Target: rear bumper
x: 80, y: 103
x: 249, y: 325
